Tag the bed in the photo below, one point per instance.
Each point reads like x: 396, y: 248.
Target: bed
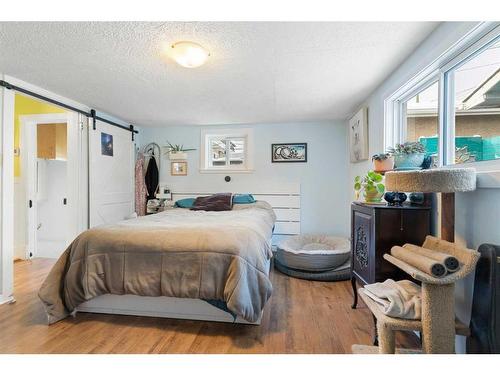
x: 178, y: 263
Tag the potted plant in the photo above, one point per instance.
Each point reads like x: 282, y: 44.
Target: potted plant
x: 371, y: 186
x: 177, y: 152
x: 408, y: 154
x: 383, y: 162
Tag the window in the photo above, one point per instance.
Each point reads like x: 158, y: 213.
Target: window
x: 227, y: 150
x: 453, y: 106
x: 421, y: 118
x: 477, y: 107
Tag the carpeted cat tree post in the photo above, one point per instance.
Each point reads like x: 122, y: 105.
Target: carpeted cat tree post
x: 438, y: 324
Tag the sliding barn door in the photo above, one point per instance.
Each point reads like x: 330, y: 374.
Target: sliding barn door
x: 111, y: 170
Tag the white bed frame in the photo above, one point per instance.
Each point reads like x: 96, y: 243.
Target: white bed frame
x: 286, y: 205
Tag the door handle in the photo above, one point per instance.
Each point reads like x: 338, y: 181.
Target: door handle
x: 65, y: 201
x: 30, y: 203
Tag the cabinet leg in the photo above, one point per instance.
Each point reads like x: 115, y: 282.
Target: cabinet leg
x: 354, y: 292
x: 375, y: 333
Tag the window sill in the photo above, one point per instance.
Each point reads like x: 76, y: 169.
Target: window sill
x: 226, y: 171
x: 488, y: 180
x: 488, y: 173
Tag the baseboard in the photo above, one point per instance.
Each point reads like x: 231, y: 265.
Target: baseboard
x: 20, y: 252
x: 4, y: 300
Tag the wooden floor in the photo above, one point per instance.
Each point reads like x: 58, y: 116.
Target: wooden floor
x: 301, y: 317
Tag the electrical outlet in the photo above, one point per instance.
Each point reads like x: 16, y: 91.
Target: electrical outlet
x: 17, y: 151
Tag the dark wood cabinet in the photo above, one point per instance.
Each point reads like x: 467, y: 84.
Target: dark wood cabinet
x: 375, y: 229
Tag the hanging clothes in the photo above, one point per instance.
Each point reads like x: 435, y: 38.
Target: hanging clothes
x: 141, y: 191
x: 152, y: 178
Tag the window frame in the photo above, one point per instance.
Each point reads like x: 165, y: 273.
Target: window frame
x: 442, y: 70
x: 208, y: 134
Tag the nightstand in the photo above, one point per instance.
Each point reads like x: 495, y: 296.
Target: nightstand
x: 375, y: 229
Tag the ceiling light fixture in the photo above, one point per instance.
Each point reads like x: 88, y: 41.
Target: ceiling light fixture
x: 189, y: 54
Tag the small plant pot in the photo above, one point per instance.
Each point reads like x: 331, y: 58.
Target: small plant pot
x: 383, y: 165
x: 373, y: 196
x: 409, y: 160
x: 179, y: 155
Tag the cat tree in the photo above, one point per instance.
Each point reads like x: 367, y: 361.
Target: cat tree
x: 438, y: 324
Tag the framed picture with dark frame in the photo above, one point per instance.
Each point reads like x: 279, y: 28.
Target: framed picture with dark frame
x: 289, y: 152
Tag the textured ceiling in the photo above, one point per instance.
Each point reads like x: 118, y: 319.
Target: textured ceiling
x: 257, y: 71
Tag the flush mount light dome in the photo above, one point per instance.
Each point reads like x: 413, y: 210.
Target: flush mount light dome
x: 189, y: 54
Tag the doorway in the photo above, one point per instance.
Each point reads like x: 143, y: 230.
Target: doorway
x: 48, y: 208
x: 46, y: 179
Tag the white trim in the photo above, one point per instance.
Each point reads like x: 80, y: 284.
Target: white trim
x: 488, y: 180
x: 76, y: 221
x: 246, y: 133
x: 226, y: 171
x: 7, y: 195
x: 8, y: 299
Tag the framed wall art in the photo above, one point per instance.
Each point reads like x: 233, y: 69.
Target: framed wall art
x: 289, y: 152
x: 358, y: 136
x: 106, y: 144
x: 179, y: 168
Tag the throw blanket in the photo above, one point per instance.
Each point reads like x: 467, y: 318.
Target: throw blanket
x: 215, y: 202
x: 399, y: 299
x: 177, y: 253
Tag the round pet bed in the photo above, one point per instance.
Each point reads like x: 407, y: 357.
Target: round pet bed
x: 313, y: 253
x: 341, y: 273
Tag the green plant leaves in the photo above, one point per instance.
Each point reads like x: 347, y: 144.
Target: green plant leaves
x: 407, y: 148
x: 371, y: 183
x: 374, y: 176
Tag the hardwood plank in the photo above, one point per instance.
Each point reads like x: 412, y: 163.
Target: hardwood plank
x: 301, y: 317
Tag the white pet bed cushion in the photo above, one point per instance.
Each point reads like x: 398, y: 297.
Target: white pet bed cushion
x: 313, y: 252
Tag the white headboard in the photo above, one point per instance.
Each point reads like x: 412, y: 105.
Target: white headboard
x: 284, y: 201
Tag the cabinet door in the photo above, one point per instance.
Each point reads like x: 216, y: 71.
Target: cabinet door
x: 361, y: 243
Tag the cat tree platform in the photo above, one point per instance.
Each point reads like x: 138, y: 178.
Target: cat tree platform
x: 438, y: 324
x: 385, y: 323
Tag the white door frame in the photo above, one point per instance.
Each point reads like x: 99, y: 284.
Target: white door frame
x: 28, y: 145
x: 7, y: 197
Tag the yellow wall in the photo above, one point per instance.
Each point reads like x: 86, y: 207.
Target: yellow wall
x: 27, y: 106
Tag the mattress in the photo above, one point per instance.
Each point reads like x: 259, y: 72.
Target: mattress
x: 216, y: 256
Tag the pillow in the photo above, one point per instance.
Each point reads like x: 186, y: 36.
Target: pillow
x: 216, y: 202
x: 185, y: 203
x: 243, y: 199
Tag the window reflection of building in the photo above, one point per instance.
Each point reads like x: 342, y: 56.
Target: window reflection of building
x: 477, y: 110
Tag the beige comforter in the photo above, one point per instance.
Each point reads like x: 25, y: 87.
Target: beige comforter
x: 178, y: 253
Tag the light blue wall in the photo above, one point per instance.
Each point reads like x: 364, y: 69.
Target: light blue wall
x: 323, y: 179
x: 477, y: 212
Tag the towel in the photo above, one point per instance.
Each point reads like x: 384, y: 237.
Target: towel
x: 398, y: 299
x: 450, y: 262
x: 423, y: 263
